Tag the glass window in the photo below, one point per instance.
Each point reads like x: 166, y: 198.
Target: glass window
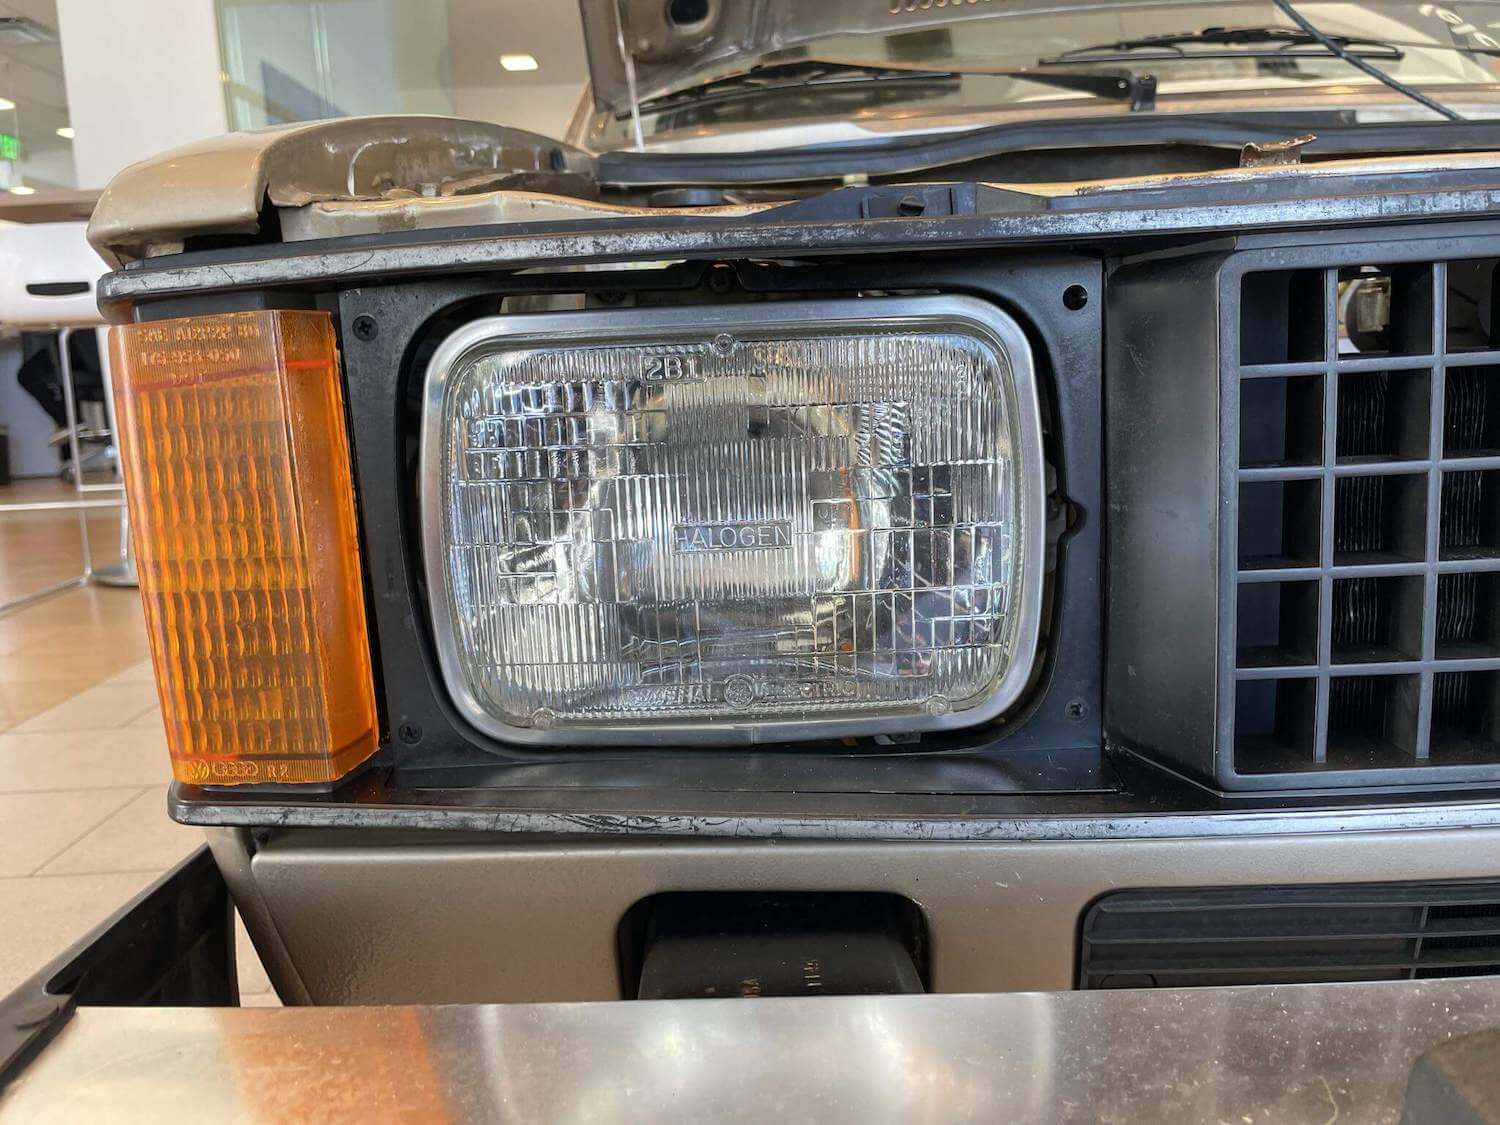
x: 36, y: 150
x: 509, y: 61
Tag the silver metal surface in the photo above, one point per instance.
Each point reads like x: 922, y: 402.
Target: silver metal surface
x: 1299, y: 1053
x: 427, y: 918
x: 636, y: 326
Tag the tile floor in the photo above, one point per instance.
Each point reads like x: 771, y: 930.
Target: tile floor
x: 83, y: 759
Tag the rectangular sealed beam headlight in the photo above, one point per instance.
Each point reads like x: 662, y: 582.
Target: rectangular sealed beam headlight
x: 734, y: 524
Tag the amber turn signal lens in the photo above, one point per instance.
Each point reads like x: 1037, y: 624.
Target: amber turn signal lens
x: 242, y: 506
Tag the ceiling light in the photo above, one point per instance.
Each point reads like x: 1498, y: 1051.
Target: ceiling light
x: 66, y: 132
x: 518, y: 62
x: 22, y: 189
x: 6, y: 103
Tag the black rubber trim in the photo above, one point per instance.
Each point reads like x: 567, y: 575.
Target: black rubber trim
x: 56, y: 288
x: 1336, y: 133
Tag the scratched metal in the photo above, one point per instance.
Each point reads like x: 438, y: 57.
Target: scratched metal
x: 648, y: 240
x: 1296, y: 1053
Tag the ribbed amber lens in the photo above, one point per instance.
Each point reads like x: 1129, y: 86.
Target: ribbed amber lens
x: 238, y: 477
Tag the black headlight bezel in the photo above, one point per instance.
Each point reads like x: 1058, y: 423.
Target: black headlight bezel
x: 1060, y: 710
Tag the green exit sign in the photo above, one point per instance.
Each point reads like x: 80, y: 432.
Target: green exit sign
x: 10, y: 146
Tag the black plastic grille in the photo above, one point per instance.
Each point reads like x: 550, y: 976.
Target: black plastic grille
x: 1367, y: 405
x: 1287, y: 935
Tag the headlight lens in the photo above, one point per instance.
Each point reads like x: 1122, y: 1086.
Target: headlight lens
x: 730, y: 524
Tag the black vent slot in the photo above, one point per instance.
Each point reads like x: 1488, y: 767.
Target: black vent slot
x: 1365, y: 617
x: 1290, y: 935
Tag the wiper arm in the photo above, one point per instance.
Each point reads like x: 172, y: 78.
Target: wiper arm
x: 1116, y: 84
x: 789, y: 76
x: 1232, y: 42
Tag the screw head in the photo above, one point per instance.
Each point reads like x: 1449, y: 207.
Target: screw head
x: 365, y: 328
x: 910, y: 205
x: 1075, y: 297
x: 1077, y: 710
x: 409, y: 733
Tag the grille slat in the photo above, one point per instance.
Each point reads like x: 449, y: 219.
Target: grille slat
x: 1269, y: 935
x: 1384, y: 541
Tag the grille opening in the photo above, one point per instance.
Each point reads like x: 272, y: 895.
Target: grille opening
x: 1290, y: 934
x: 1341, y: 665
x: 1281, y: 317
x: 1467, y: 616
x: 1379, y: 519
x: 1372, y: 721
x: 1472, y: 320
x: 1383, y: 416
x: 1279, y: 523
x: 1469, y: 526
x: 1275, y: 724
x: 1385, y: 310
x: 1464, y: 915
x: 1377, y: 619
x: 1277, y: 624
x: 1281, y: 421
x: 1471, y: 412
x: 1465, y: 717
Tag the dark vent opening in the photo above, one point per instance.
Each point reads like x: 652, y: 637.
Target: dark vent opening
x: 1467, y: 616
x: 1472, y: 316
x: 1277, y: 624
x: 1367, y: 599
x: 1275, y: 724
x: 1386, y: 310
x: 1377, y: 619
x: 1284, y: 935
x: 1471, y: 412
x: 1379, y: 519
x: 1372, y: 721
x: 1383, y: 416
x: 1465, y: 716
x: 1279, y: 523
x: 1469, y: 527
x: 1281, y: 317
x: 1281, y: 422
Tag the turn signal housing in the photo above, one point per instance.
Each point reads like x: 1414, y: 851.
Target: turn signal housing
x: 237, y: 473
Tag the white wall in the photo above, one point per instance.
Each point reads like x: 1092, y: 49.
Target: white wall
x: 544, y: 108
x: 142, y: 76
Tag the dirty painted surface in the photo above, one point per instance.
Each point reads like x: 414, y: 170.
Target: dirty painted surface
x: 655, y: 239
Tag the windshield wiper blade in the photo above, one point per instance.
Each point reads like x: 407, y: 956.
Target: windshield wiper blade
x: 788, y: 76
x: 1116, y: 84
x: 1233, y: 42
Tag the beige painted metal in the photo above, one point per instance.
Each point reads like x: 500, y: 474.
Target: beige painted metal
x: 370, y: 175
x: 220, y: 185
x: 385, y: 918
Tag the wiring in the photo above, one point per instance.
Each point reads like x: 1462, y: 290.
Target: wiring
x: 1343, y: 52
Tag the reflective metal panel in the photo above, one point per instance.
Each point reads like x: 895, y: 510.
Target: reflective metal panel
x: 1302, y: 1053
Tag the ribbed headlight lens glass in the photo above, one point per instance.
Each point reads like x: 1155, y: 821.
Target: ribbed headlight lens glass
x: 777, y: 524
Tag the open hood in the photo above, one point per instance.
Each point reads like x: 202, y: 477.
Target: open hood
x: 662, y: 45
x: 641, y: 49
